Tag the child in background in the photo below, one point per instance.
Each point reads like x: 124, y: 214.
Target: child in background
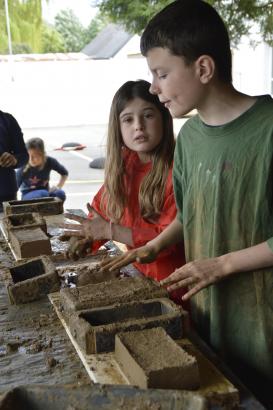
x: 33, y: 179
x: 13, y: 154
x: 136, y: 202
x: 223, y: 183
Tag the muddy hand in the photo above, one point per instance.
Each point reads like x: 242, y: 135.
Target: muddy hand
x: 145, y: 254
x: 78, y: 248
x: 81, y: 229
x: 197, y: 275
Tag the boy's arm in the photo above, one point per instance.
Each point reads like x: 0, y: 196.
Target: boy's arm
x: 202, y: 273
x: 145, y: 254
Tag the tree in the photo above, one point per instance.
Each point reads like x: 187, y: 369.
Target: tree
x: 72, y: 31
x: 240, y: 15
x: 52, y: 41
x: 25, y: 24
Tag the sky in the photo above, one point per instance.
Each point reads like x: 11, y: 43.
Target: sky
x: 82, y: 9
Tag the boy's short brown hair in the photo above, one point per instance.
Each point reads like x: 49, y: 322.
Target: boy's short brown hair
x: 190, y: 28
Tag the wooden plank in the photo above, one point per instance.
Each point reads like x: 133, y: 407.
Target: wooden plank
x: 102, y: 368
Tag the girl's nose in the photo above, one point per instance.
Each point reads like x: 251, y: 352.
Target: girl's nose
x: 139, y: 124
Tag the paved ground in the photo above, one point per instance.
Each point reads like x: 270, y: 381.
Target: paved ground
x: 83, y: 181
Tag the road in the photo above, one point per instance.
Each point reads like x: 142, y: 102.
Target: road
x: 83, y: 182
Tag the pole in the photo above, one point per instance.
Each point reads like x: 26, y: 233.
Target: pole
x: 9, y: 37
x: 8, y: 26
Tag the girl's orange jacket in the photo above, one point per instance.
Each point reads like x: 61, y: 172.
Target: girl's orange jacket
x: 143, y: 230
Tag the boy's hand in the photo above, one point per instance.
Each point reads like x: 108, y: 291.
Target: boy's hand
x: 144, y: 254
x: 196, y: 275
x: 7, y: 160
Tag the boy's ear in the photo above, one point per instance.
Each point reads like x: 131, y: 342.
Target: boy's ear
x: 206, y: 68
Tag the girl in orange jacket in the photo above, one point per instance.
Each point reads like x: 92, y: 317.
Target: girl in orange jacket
x: 136, y: 201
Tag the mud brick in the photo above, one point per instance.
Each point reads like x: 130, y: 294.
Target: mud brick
x: 95, y: 329
x: 31, y: 279
x: 119, y: 290
x: 23, y: 221
x: 44, y: 206
x: 150, y: 358
x: 27, y: 243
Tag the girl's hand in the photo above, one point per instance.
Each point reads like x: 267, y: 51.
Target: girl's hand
x: 7, y: 160
x: 197, y: 275
x: 78, y: 248
x: 95, y: 229
x: 53, y: 188
x: 144, y: 254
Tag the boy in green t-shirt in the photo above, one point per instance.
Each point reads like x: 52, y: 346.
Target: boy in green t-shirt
x: 223, y: 181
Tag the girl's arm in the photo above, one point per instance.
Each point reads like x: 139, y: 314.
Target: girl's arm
x: 62, y: 180
x: 148, y: 253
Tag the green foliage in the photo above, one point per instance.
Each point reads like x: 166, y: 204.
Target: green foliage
x: 239, y: 15
x: 52, y: 41
x: 72, y: 32
x: 25, y: 25
x: 70, y: 28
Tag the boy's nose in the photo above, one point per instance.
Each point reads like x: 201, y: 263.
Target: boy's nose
x: 154, y: 89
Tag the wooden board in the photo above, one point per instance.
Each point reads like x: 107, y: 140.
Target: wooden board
x: 102, y: 368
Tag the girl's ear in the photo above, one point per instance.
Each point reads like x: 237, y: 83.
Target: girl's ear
x: 206, y: 68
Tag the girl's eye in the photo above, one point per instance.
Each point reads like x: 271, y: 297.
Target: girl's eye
x: 127, y: 120
x: 149, y: 115
x: 162, y: 76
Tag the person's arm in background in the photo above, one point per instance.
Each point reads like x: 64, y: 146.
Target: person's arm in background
x: 61, y: 170
x: 17, y: 147
x: 19, y: 177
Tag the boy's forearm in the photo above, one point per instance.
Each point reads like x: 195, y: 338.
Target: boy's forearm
x: 256, y: 257
x: 172, y: 235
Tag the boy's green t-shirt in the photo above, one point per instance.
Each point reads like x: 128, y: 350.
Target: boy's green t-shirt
x: 223, y: 182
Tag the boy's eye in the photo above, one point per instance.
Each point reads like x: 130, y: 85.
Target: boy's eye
x: 162, y: 76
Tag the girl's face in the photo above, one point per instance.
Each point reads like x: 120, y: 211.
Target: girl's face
x: 141, y: 127
x: 36, y: 157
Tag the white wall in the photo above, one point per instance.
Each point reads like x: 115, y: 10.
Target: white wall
x: 79, y: 92
x: 252, y: 68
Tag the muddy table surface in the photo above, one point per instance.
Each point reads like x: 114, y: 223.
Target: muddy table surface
x: 34, y: 347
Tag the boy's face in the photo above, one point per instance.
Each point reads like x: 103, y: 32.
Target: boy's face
x: 177, y: 84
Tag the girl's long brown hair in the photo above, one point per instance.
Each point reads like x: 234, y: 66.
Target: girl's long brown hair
x: 151, y: 193
x: 38, y: 144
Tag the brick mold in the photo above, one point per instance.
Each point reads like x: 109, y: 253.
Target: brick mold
x: 23, y: 221
x: 99, y: 397
x: 95, y: 329
x: 44, y: 206
x: 117, y: 290
x: 31, y: 279
x: 152, y: 359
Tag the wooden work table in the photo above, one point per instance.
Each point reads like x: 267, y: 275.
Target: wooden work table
x: 35, y: 347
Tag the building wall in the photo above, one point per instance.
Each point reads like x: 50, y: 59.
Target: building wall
x: 77, y: 92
